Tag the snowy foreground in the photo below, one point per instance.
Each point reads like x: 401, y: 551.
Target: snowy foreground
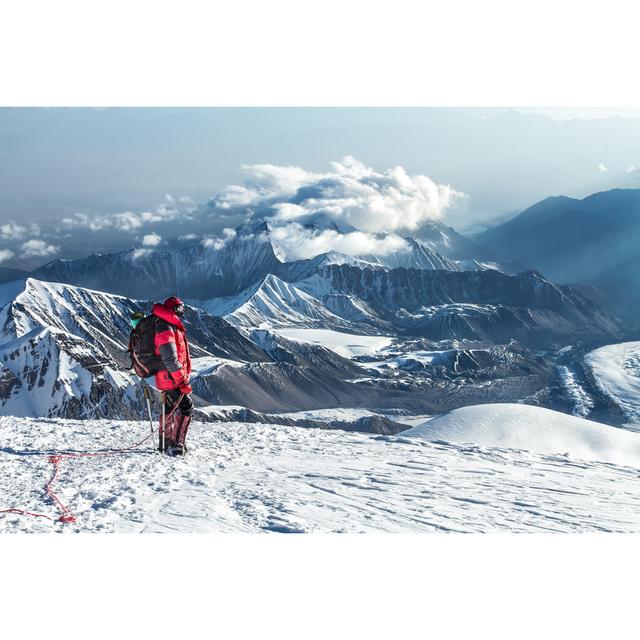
x: 248, y: 478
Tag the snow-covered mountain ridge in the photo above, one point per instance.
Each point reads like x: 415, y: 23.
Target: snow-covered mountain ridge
x: 273, y: 303
x: 218, y: 268
x: 63, y: 350
x: 243, y: 278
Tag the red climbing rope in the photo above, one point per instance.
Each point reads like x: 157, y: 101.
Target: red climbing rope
x: 65, y: 514
x: 55, y: 459
x: 26, y: 513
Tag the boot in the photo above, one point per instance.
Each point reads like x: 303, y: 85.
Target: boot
x: 177, y: 450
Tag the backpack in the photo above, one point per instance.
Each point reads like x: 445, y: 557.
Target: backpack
x: 142, y: 348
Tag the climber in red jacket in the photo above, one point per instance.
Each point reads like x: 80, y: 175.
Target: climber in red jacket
x: 172, y: 347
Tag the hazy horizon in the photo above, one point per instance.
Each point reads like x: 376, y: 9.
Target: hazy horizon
x: 83, y: 164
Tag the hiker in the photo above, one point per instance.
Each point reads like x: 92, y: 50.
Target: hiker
x: 172, y: 378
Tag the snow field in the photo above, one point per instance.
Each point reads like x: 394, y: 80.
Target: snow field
x: 270, y: 478
x: 346, y: 345
x: 616, y: 370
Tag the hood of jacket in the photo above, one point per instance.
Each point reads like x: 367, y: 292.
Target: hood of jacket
x: 166, y: 314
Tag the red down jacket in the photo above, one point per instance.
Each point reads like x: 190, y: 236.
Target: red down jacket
x: 171, y: 345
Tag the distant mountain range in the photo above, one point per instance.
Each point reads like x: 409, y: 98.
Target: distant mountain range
x: 458, y: 327
x: 412, y: 291
x: 595, y: 240
x: 9, y: 275
x: 201, y: 271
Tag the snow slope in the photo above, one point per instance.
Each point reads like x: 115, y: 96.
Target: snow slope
x: 272, y: 303
x: 520, y: 426
x: 270, y: 478
x: 48, y: 372
x: 63, y: 350
x: 616, y: 371
x: 100, y: 318
x: 346, y: 345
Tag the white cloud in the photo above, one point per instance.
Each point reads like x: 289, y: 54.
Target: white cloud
x: 140, y: 253
x: 188, y: 236
x: 295, y: 242
x: 216, y: 242
x: 602, y: 168
x: 213, y: 243
x: 14, y: 231
x: 37, y: 248
x: 151, y: 240
x: 264, y: 182
x: 346, y: 209
x: 6, y: 254
x: 168, y: 211
x: 351, y: 194
x: 631, y: 169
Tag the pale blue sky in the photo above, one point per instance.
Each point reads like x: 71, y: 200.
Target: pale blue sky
x: 55, y: 162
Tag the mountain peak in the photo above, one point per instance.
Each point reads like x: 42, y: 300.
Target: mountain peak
x: 273, y: 303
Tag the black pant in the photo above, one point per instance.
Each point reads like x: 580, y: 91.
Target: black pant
x: 170, y: 399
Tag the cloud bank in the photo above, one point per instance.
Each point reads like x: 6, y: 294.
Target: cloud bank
x: 167, y: 211
x: 354, y: 194
x: 352, y: 209
x: 296, y: 242
x: 38, y: 248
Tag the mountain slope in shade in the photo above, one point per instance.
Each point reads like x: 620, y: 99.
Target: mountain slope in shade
x: 543, y: 212
x: 449, y: 243
x: 536, y: 309
x: 198, y: 272
x: 417, y: 255
x: 596, y: 239
x: 8, y: 274
x: 278, y: 386
x: 356, y: 311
